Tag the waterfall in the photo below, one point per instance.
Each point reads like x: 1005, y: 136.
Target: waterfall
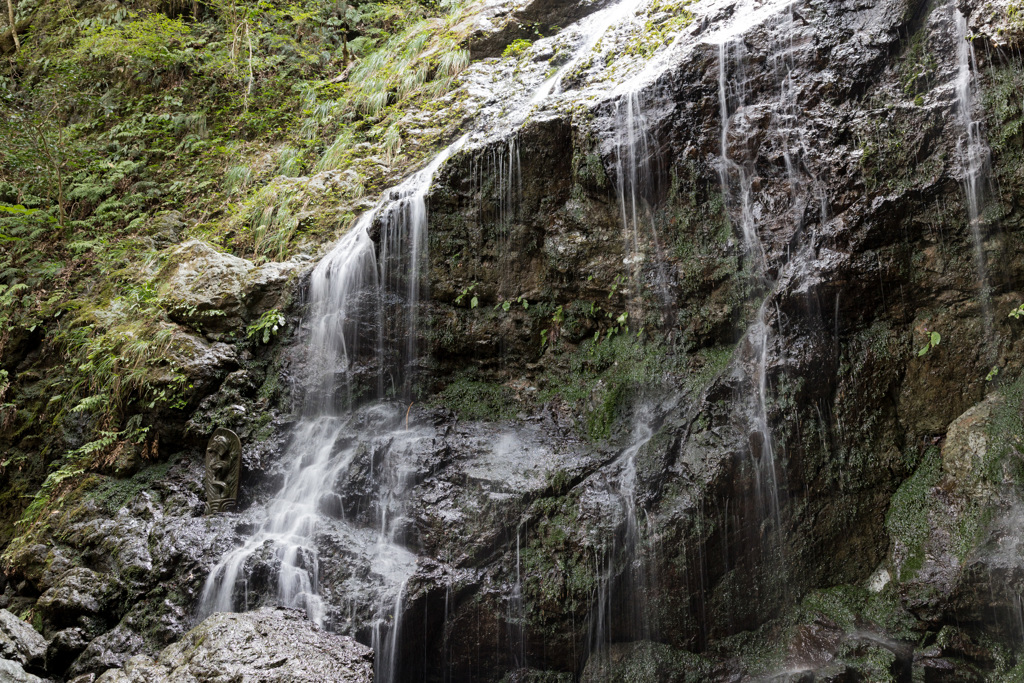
x: 364, y: 319
x: 975, y: 158
x: 740, y: 179
x: 346, y: 305
x: 637, y: 173
x: 737, y: 185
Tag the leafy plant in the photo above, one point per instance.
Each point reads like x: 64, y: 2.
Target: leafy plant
x: 473, y: 302
x: 506, y: 305
x: 934, y: 339
x: 517, y: 48
x: 266, y: 327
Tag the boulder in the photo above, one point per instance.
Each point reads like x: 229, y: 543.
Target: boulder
x: 78, y: 592
x: 216, y: 292
x: 19, y: 641
x: 967, y: 443
x: 12, y: 672
x: 266, y: 646
x: 109, y: 651
x: 64, y: 649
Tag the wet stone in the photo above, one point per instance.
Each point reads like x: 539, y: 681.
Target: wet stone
x: 19, y: 641
x: 267, y: 646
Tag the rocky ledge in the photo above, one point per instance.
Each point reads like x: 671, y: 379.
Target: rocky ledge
x: 266, y: 646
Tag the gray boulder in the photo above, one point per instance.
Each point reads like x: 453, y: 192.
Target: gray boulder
x: 109, y: 651
x: 12, y: 672
x: 78, y: 592
x: 20, y: 642
x: 216, y: 292
x: 266, y: 646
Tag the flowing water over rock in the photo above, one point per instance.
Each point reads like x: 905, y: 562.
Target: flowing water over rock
x: 351, y: 295
x: 621, y: 611
x: 346, y: 307
x: 975, y: 157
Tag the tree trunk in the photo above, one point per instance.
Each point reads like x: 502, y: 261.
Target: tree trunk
x: 14, y: 29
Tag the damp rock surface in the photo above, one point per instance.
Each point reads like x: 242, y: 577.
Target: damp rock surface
x: 266, y: 646
x: 20, y: 642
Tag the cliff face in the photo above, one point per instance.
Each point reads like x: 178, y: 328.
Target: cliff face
x: 715, y: 379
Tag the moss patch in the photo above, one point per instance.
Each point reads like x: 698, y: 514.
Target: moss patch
x: 907, y: 519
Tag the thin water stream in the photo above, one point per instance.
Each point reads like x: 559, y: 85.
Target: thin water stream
x: 975, y: 160
x: 741, y: 184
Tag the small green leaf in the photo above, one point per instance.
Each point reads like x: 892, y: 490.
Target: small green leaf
x: 507, y: 305
x: 923, y: 350
x: 474, y: 302
x: 936, y: 338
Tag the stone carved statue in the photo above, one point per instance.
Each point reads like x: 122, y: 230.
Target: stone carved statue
x: 223, y: 462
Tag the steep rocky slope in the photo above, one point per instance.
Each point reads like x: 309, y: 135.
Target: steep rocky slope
x: 717, y: 382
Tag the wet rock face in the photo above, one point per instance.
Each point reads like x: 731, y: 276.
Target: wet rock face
x: 847, y: 140
x: 265, y: 645
x: 129, y: 558
x: 500, y: 22
x: 840, y: 151
x: 996, y: 22
x: 13, y: 672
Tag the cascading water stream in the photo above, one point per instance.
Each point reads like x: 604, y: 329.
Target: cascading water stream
x: 620, y: 609
x: 739, y: 178
x: 975, y: 159
x: 636, y: 178
x: 593, y: 28
x: 345, y: 306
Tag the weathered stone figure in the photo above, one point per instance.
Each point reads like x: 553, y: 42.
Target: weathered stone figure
x: 223, y: 461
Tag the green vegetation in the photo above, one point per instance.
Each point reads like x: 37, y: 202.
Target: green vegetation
x: 517, y: 48
x: 473, y: 399
x: 907, y: 519
x: 917, y: 67
x: 266, y: 326
x: 1005, y: 122
x: 666, y: 19
x: 116, y: 115
x: 560, y: 575
x: 933, y: 340
x: 113, y: 494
